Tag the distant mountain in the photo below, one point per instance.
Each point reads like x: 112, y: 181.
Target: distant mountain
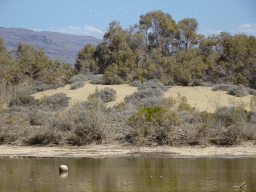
x: 56, y: 45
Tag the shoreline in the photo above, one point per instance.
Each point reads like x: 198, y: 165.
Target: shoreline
x: 246, y: 150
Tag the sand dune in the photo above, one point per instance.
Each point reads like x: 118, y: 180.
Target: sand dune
x: 203, y: 98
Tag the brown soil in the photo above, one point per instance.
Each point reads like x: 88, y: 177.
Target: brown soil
x: 246, y: 150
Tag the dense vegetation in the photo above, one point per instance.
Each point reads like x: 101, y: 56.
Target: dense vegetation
x: 151, y: 55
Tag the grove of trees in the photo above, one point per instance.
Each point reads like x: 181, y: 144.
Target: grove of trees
x: 155, y: 48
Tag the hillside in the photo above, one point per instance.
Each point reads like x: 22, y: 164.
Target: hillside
x: 57, y: 45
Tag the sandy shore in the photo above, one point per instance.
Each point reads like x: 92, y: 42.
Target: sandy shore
x: 247, y: 150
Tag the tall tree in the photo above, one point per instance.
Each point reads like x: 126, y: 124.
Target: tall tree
x: 85, y: 59
x: 160, y: 29
x: 186, y: 36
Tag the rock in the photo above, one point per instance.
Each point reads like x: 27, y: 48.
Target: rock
x: 63, y: 168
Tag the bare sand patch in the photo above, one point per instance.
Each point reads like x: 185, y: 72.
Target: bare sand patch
x: 202, y: 98
x: 247, y: 150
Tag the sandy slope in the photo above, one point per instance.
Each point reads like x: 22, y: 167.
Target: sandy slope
x: 203, y: 98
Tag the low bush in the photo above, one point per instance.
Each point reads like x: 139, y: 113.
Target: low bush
x: 169, y: 103
x: 153, y: 84
x: 78, y: 78
x: 185, y: 116
x: 58, y: 101
x: 94, y: 102
x: 154, y: 123
x: 196, y: 82
x: 89, y: 128
x: 208, y: 84
x: 238, y: 91
x: 76, y: 85
x: 22, y: 98
x: 43, y: 87
x: 106, y: 94
x: 58, y: 85
x: 149, y: 102
x: 98, y: 79
x: 253, y: 102
x: 250, y: 91
x: 183, y: 104
x: 232, y: 115
x: 40, y: 137
x: 223, y: 87
x: 113, y: 80
x: 136, y: 97
x: 135, y: 83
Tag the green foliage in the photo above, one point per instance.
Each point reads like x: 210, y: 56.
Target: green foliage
x: 33, y: 62
x: 239, y: 79
x: 111, y: 75
x: 162, y: 29
x: 70, y: 74
x: 189, y: 66
x: 85, y: 59
x: 186, y: 34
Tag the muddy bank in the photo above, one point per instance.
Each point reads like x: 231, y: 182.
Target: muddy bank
x: 246, y: 150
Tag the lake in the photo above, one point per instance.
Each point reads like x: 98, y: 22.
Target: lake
x: 127, y: 174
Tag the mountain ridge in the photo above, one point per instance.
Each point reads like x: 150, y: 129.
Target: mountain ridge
x: 56, y: 45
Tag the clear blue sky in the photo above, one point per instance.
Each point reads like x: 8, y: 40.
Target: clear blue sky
x: 92, y: 17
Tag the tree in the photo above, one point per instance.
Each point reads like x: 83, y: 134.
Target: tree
x: 186, y: 36
x: 35, y: 63
x: 160, y: 29
x: 85, y: 59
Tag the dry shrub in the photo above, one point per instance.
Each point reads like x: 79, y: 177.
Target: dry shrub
x: 137, y: 97
x: 78, y: 78
x: 43, y: 87
x: 196, y: 82
x: 106, y: 94
x: 98, y: 79
x: 135, y: 83
x: 76, y: 85
x: 58, y: 101
x: 223, y: 87
x: 58, y: 85
x: 89, y: 128
x: 238, y: 91
x: 232, y: 115
x: 153, y: 84
x: 208, y: 84
x: 22, y: 98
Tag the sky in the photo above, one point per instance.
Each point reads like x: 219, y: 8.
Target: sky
x: 92, y: 17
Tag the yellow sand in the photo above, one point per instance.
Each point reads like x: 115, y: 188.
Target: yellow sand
x: 203, y: 98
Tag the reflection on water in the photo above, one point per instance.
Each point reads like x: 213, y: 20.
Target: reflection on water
x: 126, y: 174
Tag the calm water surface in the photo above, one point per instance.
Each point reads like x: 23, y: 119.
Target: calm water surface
x: 126, y: 174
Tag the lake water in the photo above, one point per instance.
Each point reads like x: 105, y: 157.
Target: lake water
x: 126, y: 174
